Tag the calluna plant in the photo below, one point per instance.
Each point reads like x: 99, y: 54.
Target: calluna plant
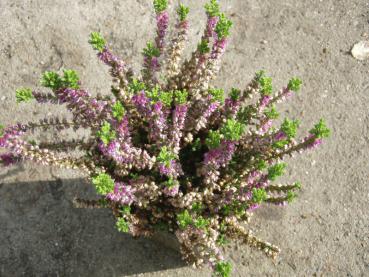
x: 167, y: 151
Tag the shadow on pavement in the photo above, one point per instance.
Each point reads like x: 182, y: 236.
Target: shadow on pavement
x: 42, y: 234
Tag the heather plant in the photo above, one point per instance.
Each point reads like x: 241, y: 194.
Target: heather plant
x: 168, y: 151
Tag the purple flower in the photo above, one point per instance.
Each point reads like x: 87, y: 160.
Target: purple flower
x: 312, y: 142
x: 264, y: 102
x: 162, y: 21
x: 171, y: 190
x: 280, y: 136
x: 157, y: 122
x: 122, y: 194
x: 173, y: 169
x: 210, y: 26
x: 265, y: 127
x: 8, y: 159
x: 117, y: 65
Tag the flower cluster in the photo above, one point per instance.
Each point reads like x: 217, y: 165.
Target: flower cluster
x: 166, y: 148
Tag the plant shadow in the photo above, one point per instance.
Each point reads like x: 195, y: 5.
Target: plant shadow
x: 42, y: 234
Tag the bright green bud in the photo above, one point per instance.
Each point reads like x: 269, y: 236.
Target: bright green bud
x: 294, y: 84
x: 184, y: 219
x: 297, y: 185
x: 266, y: 87
x: 23, y: 95
x: 203, y: 47
x: 196, y: 145
x: 272, y: 113
x: 276, y: 171
x: 223, y: 269
x: 289, y: 127
x: 233, y: 130
x: 122, y: 225
x: 97, y: 41
x: 70, y: 79
x: 160, y: 5
x: 51, y: 80
x: 261, y: 164
x: 235, y: 94
x: 136, y: 86
x: 126, y: 210
x: 291, y: 196
x: 182, y: 12
x: 166, y: 97
x: 213, y: 140
x: 103, y: 183
x: 1, y: 130
x: 258, y: 195
x: 218, y: 94
x: 280, y: 144
x: 320, y: 130
x: 201, y: 222
x: 212, y: 8
x: 166, y: 156
x: 106, y: 134
x: 151, y: 51
x: 118, y: 110
x: 180, y: 96
x: 223, y: 27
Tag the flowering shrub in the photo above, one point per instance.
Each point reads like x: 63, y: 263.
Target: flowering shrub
x: 167, y: 151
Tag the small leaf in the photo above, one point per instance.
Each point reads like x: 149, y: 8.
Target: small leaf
x: 103, y: 183
x: 182, y: 12
x: 23, y: 95
x: 97, y: 41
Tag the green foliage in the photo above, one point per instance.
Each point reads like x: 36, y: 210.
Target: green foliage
x: 289, y: 127
x: 235, y: 94
x: 232, y: 130
x: 261, y: 164
x: 222, y: 240
x: 118, y: 110
x: 97, y: 41
x: 297, y: 185
x: 320, y: 130
x: 160, y: 5
x: 272, y: 113
x: 223, y: 27
x: 213, y: 140
x: 223, y: 269
x: 151, y: 51
x: 23, y: 95
x: 266, y: 87
x: 166, y: 156
x: 294, y: 84
x: 280, y: 144
x: 246, y: 113
x: 212, y: 8
x: 290, y: 196
x: 125, y: 210
x: 103, y: 183
x: 1, y: 130
x: 258, y: 195
x: 51, y: 80
x: 136, y: 86
x: 218, y: 94
x: 203, y: 47
x: 106, y: 134
x: 122, y: 225
x: 70, y: 79
x: 197, y: 207
x: 180, y: 96
x: 184, y: 219
x: 156, y: 94
x: 196, y: 145
x: 276, y: 170
x: 201, y: 222
x: 182, y: 12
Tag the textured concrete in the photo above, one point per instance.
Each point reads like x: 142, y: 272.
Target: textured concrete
x: 324, y: 233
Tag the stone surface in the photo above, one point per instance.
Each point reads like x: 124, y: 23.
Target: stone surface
x: 323, y: 233
x: 360, y: 51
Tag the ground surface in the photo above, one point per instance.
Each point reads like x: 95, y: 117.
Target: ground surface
x: 324, y: 233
